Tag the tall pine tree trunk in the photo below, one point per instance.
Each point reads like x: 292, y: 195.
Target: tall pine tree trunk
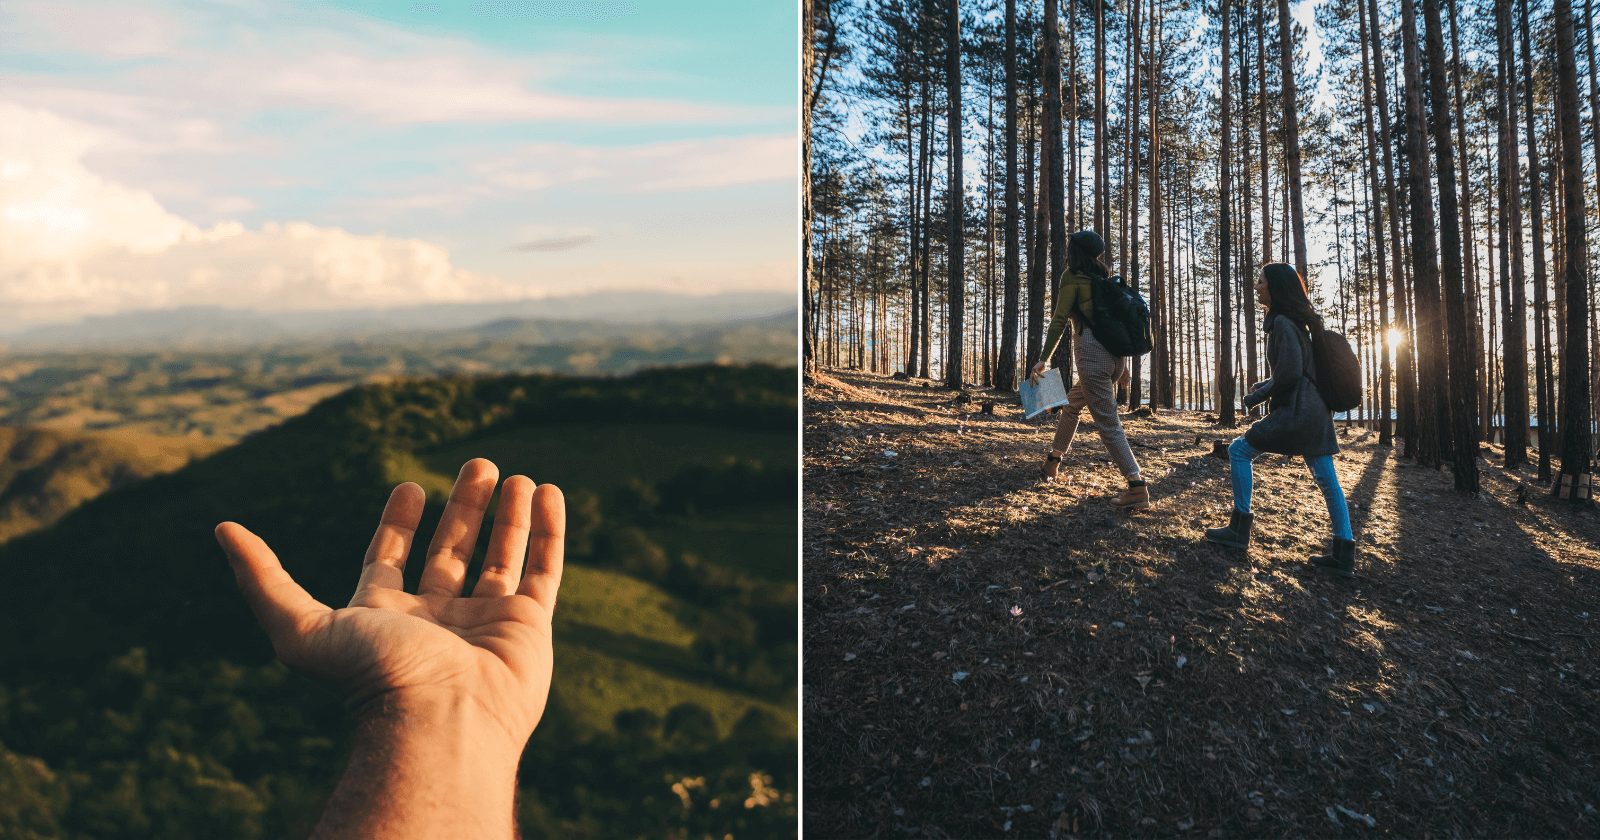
x: 1424, y: 252
x: 1513, y: 293
x: 813, y: 75
x: 1379, y: 268
x: 1291, y: 138
x: 955, y: 199
x: 1102, y: 183
x: 1405, y: 392
x: 1006, y: 372
x: 1037, y: 249
x: 1225, y: 415
x: 1158, y: 356
x: 1459, y: 327
x: 1575, y: 419
x: 1050, y: 58
x: 1541, y: 305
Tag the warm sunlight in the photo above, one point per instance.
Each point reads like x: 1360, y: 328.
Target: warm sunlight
x: 1396, y: 336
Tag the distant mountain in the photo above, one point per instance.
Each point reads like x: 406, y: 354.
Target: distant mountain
x: 222, y: 327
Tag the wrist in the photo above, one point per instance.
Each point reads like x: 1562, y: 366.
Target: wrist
x: 442, y: 716
x: 426, y: 762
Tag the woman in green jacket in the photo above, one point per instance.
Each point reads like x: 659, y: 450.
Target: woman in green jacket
x: 1098, y: 371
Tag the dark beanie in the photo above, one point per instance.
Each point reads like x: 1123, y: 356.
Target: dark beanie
x: 1089, y: 243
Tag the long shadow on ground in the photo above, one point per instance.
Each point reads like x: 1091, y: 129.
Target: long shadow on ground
x: 996, y: 657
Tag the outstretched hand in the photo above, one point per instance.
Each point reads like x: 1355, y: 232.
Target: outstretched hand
x: 490, y: 649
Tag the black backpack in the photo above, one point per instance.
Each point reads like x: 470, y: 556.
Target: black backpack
x: 1121, y: 321
x: 1338, y: 371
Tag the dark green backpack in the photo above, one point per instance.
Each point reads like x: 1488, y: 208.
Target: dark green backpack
x: 1121, y: 321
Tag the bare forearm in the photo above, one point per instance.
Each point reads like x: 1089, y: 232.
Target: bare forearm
x: 425, y: 766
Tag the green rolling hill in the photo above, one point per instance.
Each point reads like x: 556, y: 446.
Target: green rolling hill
x: 675, y: 636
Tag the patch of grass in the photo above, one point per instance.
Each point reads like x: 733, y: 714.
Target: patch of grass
x: 756, y: 540
x: 621, y: 604
x: 591, y: 686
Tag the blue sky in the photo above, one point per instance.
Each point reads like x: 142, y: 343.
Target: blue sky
x: 297, y: 154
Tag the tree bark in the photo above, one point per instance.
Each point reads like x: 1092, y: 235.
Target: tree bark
x: 1050, y: 60
x: 1460, y: 346
x: 1158, y: 354
x: 1424, y: 253
x: 1542, y: 391
x: 1225, y: 414
x: 1575, y: 419
x: 1102, y: 184
x: 955, y: 198
x: 813, y: 77
x: 1291, y: 138
x: 1513, y: 292
x: 1006, y: 370
x: 1380, y: 269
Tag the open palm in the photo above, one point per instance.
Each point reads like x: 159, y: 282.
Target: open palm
x: 492, y: 646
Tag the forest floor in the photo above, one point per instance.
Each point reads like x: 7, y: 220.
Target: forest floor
x: 986, y: 653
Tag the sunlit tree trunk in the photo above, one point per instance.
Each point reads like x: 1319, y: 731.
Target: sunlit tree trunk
x: 1380, y: 268
x: 1424, y: 253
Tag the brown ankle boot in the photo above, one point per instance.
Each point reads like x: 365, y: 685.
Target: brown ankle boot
x: 1052, y: 465
x: 1135, y: 497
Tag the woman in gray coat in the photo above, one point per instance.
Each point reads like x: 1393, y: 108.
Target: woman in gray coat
x: 1298, y: 422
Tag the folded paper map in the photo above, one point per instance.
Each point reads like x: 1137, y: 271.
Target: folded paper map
x: 1042, y: 393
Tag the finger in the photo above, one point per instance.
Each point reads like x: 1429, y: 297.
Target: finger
x: 508, y: 542
x: 457, y: 533
x: 546, y: 546
x: 385, y: 563
x: 281, y: 606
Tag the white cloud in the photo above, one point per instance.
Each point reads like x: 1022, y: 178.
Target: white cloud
x: 112, y: 30
x: 72, y: 243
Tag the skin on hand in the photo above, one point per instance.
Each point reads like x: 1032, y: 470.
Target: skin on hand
x: 488, y: 650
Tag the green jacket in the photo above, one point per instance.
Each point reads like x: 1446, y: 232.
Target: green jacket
x: 1075, y: 302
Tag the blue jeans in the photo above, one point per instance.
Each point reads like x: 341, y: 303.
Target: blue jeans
x: 1240, y: 454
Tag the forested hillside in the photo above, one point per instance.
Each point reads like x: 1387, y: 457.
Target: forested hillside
x: 141, y: 700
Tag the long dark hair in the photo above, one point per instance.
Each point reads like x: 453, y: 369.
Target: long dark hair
x: 1083, y: 254
x: 1288, y: 292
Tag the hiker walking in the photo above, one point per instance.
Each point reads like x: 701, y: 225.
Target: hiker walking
x: 1099, y: 370
x: 1299, y: 421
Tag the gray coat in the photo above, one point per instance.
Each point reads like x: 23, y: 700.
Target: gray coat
x: 1299, y: 422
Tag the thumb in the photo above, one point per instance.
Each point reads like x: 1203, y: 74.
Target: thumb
x: 279, y: 604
